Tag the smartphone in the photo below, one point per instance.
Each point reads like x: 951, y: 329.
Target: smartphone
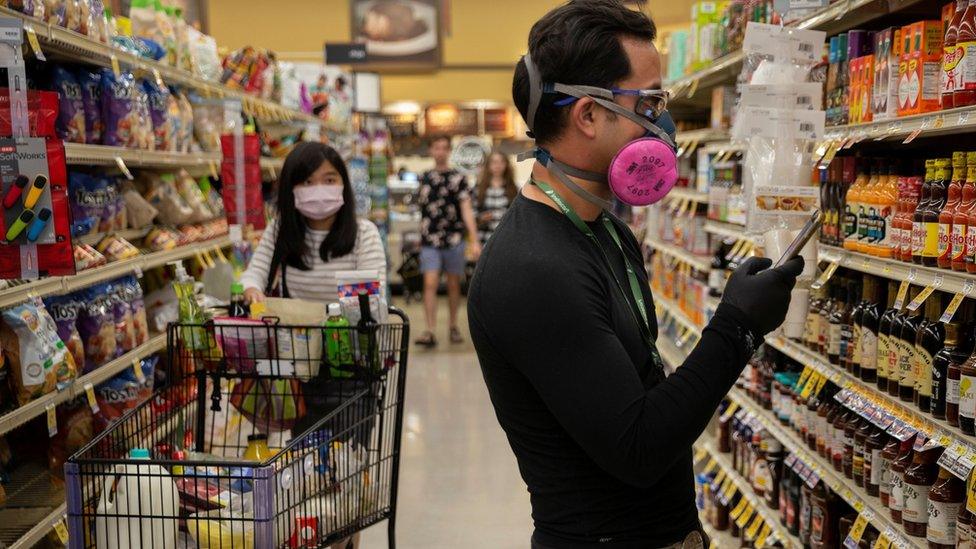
x: 806, y: 233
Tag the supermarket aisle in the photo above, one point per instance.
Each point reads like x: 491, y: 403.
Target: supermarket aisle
x: 459, y: 483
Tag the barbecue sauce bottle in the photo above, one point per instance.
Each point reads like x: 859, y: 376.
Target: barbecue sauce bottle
x: 870, y: 319
x: 919, y: 479
x: 873, y: 463
x: 857, y: 316
x: 940, y: 370
x: 884, y: 337
x: 967, y: 396
x: 946, y: 499
x: 906, y: 353
x: 896, y: 503
x: 930, y: 340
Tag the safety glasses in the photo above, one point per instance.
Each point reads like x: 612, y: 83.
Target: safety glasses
x: 650, y: 103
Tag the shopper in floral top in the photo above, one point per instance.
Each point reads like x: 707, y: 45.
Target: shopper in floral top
x: 446, y: 215
x: 496, y: 191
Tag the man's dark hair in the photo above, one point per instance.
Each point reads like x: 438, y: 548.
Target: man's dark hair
x: 433, y: 140
x: 577, y: 43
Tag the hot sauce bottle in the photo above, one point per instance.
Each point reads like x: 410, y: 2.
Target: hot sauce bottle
x: 867, y: 210
x: 906, y: 350
x: 938, y: 194
x: 971, y: 213
x: 884, y: 337
x: 870, y: 319
x: 965, y: 92
x: 946, y: 499
x: 919, y: 479
x: 928, y: 342
x: 953, y: 199
x: 950, y: 57
x: 896, y: 502
x: 960, y: 220
x: 912, y: 196
x: 918, y: 217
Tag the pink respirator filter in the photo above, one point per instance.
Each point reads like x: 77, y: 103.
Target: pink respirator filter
x: 643, y: 172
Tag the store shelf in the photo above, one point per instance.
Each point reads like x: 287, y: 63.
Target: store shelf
x: 770, y: 516
x: 59, y: 42
x: 21, y: 415
x: 728, y: 230
x: 61, y: 284
x: 947, y: 281
x: 100, y: 155
x: 685, y: 193
x: 272, y: 166
x: 947, y: 122
x: 672, y: 308
x: 699, y: 262
x: 129, y: 234
x: 837, y: 482
x: 722, y: 71
x: 35, y: 502
x: 703, y: 135
x: 720, y: 539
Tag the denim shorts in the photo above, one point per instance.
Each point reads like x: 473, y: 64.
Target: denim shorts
x: 449, y: 260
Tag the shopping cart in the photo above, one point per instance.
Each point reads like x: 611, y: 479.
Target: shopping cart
x: 172, y: 473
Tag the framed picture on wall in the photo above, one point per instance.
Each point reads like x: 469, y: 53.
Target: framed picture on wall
x: 399, y: 34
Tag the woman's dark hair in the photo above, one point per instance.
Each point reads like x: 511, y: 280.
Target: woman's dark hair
x: 577, y: 43
x: 484, y: 180
x: 300, y: 164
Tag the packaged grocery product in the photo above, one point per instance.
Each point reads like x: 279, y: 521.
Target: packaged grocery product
x: 90, y: 83
x: 64, y: 310
x: 139, y: 212
x: 42, y: 112
x: 85, y: 214
x: 87, y: 257
x: 137, y: 303
x: 160, y: 239
x: 184, y: 133
x: 37, y: 358
x: 142, y: 16
x: 98, y: 23
x: 270, y: 404
x: 77, y: 15
x: 164, y: 131
x: 125, y: 333
x: 194, y: 197
x: 112, y: 207
x: 96, y: 324
x: 164, y: 196
x: 76, y: 427
x: 208, y: 124
x: 118, y: 110
x: 53, y: 11
x: 115, y: 248
x: 142, y: 130
x: 204, y: 57
x: 124, y: 392
x: 71, y: 112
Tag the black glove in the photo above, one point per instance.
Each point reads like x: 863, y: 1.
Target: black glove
x: 763, y: 294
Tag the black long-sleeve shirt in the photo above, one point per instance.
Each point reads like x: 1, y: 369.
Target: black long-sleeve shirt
x: 602, y: 440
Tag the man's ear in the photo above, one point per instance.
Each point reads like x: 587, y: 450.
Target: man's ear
x: 582, y: 116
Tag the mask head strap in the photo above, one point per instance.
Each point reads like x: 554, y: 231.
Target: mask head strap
x: 535, y: 91
x: 561, y: 170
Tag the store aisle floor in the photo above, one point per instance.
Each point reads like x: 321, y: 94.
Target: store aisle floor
x: 459, y: 483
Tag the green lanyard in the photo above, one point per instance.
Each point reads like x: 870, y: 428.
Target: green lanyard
x: 635, y: 284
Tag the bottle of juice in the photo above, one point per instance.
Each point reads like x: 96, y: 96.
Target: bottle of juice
x: 965, y: 92
x: 845, y: 178
x: 853, y: 208
x: 867, y: 210
x: 960, y: 219
x: 887, y: 199
x: 950, y: 58
x: 918, y: 228
x: 953, y: 197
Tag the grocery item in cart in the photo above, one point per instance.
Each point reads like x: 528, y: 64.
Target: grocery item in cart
x: 37, y: 358
x: 131, y: 494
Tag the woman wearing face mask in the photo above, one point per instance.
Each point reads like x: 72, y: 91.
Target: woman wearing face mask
x: 316, y: 233
x: 496, y: 191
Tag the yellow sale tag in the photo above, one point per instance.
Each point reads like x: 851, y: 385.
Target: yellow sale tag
x: 733, y: 408
x: 747, y: 249
x: 857, y: 531
x: 694, y: 88
x: 804, y: 375
x: 115, y: 65
x: 735, y: 249
x: 811, y: 383
x: 729, y: 489
x: 52, y: 420
x: 902, y: 294
x: 820, y: 383
x: 711, y: 465
x: 720, y: 476
x: 220, y: 254
x: 158, y: 78
x: 35, y: 45
x: 736, y: 511
x: 825, y: 276
x: 920, y: 298
x: 763, y: 536
x: 90, y: 395
x: 700, y: 454
x: 137, y: 368
x: 62, y: 531
x: 952, y: 307
x: 745, y: 516
x: 882, y: 542
x: 754, y: 527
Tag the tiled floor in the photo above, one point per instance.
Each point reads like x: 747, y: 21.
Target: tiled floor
x: 459, y: 483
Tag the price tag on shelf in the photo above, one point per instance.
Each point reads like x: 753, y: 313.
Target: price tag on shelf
x: 763, y: 536
x: 911, y: 137
x: 740, y: 508
x: 828, y: 157
x: 61, y: 530
x: 719, y: 477
x: 90, y: 395
x: 123, y: 168
x: 728, y: 491
x: 52, y: 420
x: 811, y: 383
x: 825, y: 276
x: 939, y: 122
x: 731, y: 409
x: 700, y: 454
x: 745, y: 516
x: 820, y: 383
x: 956, y: 301
x: 739, y: 244
x: 857, y: 532
x: 925, y: 293
x: 753, y: 528
x: 963, y: 118
x: 114, y: 61
x: 158, y: 78
x: 790, y: 460
x: 693, y: 88
x: 137, y: 369
x: 964, y: 464
x: 35, y: 44
x: 804, y: 376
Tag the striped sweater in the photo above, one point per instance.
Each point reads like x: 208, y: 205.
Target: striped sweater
x: 319, y: 283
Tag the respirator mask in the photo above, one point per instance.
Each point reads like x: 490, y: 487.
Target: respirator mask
x: 643, y: 171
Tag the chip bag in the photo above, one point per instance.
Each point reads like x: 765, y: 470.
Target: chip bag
x: 38, y: 360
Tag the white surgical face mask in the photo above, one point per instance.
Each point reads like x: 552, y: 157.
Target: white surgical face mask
x: 318, y: 201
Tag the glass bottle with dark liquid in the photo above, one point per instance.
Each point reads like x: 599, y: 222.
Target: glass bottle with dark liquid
x: 940, y: 370
x: 826, y: 309
x: 812, y: 327
x: 836, y: 350
x: 861, y: 435
x: 853, y: 346
x: 928, y: 342
x: 967, y: 395
x: 906, y: 354
x: 896, y: 345
x: 896, y: 503
x: 919, y: 479
x: 946, y: 499
x: 873, y: 464
x: 870, y: 318
x: 884, y: 337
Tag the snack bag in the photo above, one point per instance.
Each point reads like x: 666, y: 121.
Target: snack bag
x: 96, y: 324
x: 86, y: 203
x: 111, y: 218
x: 125, y: 391
x: 162, y: 124
x: 38, y: 360
x: 134, y: 297
x: 71, y: 113
x: 139, y: 212
x: 90, y: 84
x: 53, y: 11
x: 76, y: 427
x: 164, y: 196
x: 119, y: 112
x: 194, y: 197
x: 64, y: 310
x: 125, y: 330
x: 184, y: 138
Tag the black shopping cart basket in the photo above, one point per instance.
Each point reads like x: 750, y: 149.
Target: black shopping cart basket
x: 259, y: 435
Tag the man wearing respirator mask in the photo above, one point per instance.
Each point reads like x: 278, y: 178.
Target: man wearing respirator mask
x: 560, y: 308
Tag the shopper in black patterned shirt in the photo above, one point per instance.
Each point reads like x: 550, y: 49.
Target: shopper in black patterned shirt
x: 446, y: 215
x: 496, y: 191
